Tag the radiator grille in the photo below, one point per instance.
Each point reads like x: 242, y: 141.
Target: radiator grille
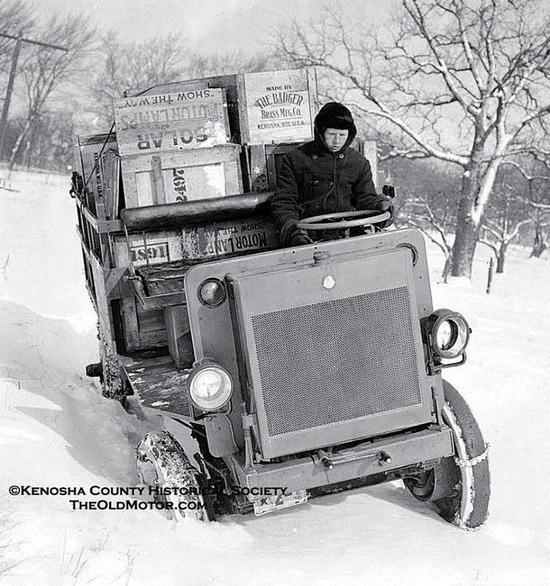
x: 336, y: 360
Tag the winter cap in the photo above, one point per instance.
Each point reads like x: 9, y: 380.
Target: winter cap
x: 335, y: 115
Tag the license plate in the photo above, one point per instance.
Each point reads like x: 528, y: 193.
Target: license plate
x: 268, y: 504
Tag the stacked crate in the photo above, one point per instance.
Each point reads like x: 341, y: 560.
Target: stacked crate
x: 175, y: 147
x: 268, y: 112
x: 184, y: 142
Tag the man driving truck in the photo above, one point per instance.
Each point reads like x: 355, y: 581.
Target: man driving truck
x: 324, y: 176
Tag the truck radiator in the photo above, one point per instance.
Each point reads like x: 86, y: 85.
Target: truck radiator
x: 337, y: 360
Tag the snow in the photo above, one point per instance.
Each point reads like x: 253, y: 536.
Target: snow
x: 57, y: 430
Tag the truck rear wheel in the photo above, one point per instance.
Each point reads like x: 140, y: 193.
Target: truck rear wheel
x: 459, y: 485
x: 175, y: 484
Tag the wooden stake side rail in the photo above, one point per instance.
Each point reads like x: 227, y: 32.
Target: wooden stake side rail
x: 101, y: 226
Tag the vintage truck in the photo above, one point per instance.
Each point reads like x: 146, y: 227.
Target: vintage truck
x: 279, y: 374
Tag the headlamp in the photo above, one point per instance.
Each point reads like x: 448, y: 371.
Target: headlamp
x: 447, y: 332
x: 209, y: 387
x: 212, y: 292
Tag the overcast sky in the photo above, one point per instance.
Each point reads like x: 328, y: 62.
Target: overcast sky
x: 209, y: 25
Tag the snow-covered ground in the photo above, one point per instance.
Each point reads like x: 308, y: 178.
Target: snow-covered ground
x: 57, y: 430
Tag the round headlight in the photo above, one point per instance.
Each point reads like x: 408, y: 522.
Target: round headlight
x: 212, y: 292
x: 450, y: 333
x: 210, y: 387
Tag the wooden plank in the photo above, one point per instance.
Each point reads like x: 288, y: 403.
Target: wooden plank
x: 157, y: 383
x: 258, y: 168
x: 111, y: 176
x: 217, y: 154
x: 233, y: 178
x: 178, y: 335
x: 158, y: 181
x: 187, y: 119
x: 111, y: 278
x: 243, y: 114
x: 129, y: 324
x: 277, y: 106
x: 104, y: 313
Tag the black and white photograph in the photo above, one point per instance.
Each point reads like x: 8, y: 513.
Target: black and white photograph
x: 274, y: 292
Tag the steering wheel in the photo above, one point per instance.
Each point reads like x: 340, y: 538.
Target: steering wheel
x: 342, y: 220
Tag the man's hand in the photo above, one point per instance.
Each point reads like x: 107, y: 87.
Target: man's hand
x: 292, y: 236
x: 384, y: 204
x: 299, y: 238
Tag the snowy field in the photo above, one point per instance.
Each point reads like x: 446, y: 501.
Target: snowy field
x: 57, y: 430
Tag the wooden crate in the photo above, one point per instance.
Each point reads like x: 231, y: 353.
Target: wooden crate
x: 226, y: 82
x: 220, y: 239
x: 183, y: 176
x: 91, y: 152
x: 174, y: 121
x: 277, y: 106
x: 192, y: 243
x: 142, y: 329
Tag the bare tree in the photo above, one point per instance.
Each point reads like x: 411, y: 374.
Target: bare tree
x: 537, y: 198
x: 541, y: 221
x: 506, y: 213
x: 419, y: 213
x: 428, y: 199
x: 49, y: 143
x: 15, y: 19
x: 45, y: 72
x: 498, y: 236
x: 464, y: 81
x: 135, y: 65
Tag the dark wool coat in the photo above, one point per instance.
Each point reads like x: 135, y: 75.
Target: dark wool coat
x: 314, y: 180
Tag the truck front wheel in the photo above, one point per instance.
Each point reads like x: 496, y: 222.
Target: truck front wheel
x: 174, y: 483
x: 459, y: 486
